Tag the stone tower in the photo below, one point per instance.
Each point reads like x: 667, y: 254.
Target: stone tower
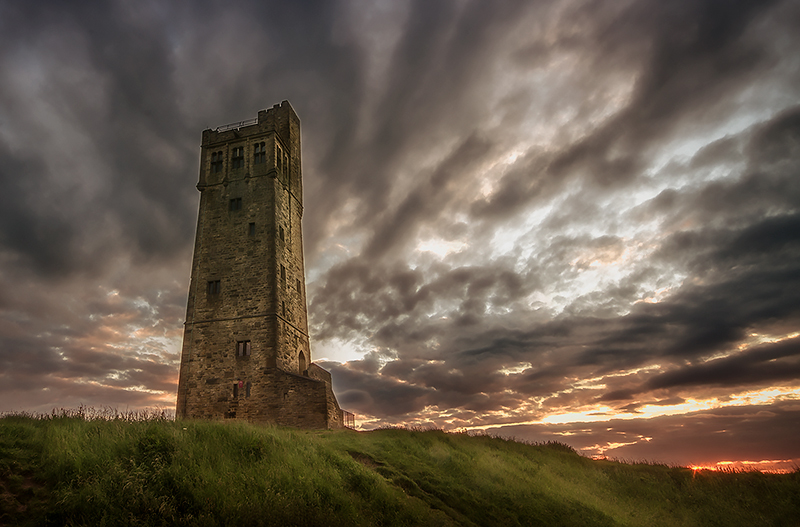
x: 246, y: 352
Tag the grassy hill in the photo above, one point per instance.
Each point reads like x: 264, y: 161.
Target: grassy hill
x: 74, y: 471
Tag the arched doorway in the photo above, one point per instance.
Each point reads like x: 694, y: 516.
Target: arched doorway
x: 301, y: 360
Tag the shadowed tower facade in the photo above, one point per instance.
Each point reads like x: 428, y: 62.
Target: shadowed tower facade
x: 246, y: 352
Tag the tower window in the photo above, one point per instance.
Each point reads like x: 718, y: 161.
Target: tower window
x: 283, y: 309
x: 237, y: 160
x: 235, y: 390
x: 281, y: 233
x: 251, y: 229
x: 259, y: 153
x: 213, y: 287
x: 298, y: 286
x: 283, y: 274
x: 280, y: 158
x: 243, y: 348
x: 216, y: 162
x: 235, y: 204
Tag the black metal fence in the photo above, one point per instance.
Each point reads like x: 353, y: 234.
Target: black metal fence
x: 348, y: 419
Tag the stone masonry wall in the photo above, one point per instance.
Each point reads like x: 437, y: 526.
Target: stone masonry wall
x: 248, y: 283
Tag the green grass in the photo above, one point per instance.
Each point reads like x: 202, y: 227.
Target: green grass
x: 69, y: 470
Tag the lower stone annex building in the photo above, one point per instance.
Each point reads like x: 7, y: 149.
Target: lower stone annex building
x: 246, y: 352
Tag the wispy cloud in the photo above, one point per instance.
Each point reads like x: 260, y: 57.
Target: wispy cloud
x: 515, y: 213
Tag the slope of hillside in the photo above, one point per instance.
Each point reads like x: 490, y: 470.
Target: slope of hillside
x: 73, y: 471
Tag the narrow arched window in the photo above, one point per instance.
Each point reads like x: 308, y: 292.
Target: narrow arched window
x: 301, y: 359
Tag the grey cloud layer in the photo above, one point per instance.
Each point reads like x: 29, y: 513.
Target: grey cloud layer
x: 735, y: 433
x: 535, y: 143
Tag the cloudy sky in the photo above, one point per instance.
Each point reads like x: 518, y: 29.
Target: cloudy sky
x: 553, y: 220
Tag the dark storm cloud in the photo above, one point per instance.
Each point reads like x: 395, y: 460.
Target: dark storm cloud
x: 742, y: 251
x: 750, y: 277
x: 46, y: 240
x: 441, y: 62
x: 94, y: 92
x: 761, y: 188
x: 364, y: 392
x: 697, y: 321
x: 425, y: 201
x: 511, y: 209
x: 728, y: 434
x: 110, y: 75
x: 765, y: 365
x: 695, y: 57
x: 356, y: 295
x: 99, y: 125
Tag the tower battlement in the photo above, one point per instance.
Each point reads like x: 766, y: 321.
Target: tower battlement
x: 246, y: 351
